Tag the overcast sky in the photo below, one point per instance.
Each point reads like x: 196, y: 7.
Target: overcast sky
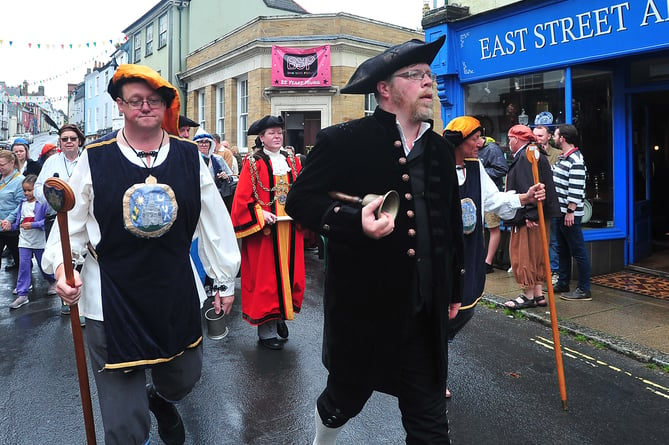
x: 57, y: 25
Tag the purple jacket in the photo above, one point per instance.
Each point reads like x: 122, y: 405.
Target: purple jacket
x: 40, y: 212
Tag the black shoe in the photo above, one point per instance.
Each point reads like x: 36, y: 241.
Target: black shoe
x: 282, y: 329
x: 489, y: 268
x: 12, y: 267
x: 271, y: 343
x: 557, y: 288
x: 170, y: 425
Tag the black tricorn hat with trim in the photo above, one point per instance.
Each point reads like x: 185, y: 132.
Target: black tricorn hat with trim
x: 263, y: 124
x: 380, y: 67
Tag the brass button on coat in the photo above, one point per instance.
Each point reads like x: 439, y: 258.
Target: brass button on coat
x: 402, y: 160
x: 326, y: 227
x: 405, y: 177
x: 398, y: 144
x: 411, y: 233
x: 408, y: 196
x: 410, y: 213
x: 411, y: 253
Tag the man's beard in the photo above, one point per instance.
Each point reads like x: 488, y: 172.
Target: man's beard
x: 419, y: 111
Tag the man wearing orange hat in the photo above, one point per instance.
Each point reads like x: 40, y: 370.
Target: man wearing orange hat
x: 478, y: 195
x: 141, y: 195
x: 525, y: 245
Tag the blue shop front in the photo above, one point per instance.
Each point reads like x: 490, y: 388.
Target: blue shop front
x: 601, y: 65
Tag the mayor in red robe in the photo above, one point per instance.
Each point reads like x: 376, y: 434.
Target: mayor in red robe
x: 272, y: 245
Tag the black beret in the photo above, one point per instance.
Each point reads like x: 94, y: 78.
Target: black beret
x: 185, y: 122
x: 378, y: 68
x: 263, y: 124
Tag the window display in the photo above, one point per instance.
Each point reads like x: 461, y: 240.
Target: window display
x: 539, y: 99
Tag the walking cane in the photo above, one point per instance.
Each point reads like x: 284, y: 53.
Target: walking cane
x: 532, y: 153
x: 61, y: 198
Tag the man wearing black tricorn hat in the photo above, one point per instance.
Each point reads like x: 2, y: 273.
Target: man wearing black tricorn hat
x: 391, y: 283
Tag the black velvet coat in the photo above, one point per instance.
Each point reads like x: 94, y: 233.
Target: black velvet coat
x: 369, y: 283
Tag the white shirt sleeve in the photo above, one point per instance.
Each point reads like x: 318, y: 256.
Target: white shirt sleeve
x: 504, y: 204
x: 217, y: 244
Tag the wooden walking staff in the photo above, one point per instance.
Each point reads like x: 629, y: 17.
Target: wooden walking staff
x: 533, y: 154
x: 61, y: 199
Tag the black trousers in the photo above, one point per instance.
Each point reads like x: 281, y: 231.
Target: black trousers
x: 11, y: 240
x: 420, y: 391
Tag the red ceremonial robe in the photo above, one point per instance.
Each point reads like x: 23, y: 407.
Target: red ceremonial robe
x: 272, y: 255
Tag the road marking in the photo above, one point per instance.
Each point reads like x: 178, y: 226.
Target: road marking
x: 653, y: 387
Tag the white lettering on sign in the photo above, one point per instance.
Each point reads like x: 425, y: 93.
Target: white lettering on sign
x: 585, y: 25
x: 652, y: 11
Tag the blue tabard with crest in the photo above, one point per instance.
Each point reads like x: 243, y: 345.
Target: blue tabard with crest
x: 149, y: 299
x: 470, y: 196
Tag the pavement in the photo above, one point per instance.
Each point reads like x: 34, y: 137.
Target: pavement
x: 632, y: 324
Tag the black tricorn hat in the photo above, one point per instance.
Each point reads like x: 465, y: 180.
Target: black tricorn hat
x: 378, y: 68
x: 185, y: 122
x: 263, y: 124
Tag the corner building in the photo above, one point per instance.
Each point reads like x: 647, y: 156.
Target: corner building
x: 229, y: 81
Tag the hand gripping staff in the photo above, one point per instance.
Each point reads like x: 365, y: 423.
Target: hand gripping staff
x: 61, y: 199
x: 533, y: 154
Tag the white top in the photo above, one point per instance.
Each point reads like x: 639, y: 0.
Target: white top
x: 504, y: 204
x: 279, y: 164
x: 57, y: 163
x: 217, y: 244
x: 30, y: 238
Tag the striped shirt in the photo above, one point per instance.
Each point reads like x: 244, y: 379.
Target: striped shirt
x: 569, y: 178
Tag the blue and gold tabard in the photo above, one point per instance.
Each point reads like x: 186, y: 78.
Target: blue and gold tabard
x: 470, y: 195
x: 149, y: 299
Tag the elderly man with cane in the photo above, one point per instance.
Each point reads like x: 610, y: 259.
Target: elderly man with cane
x: 141, y: 195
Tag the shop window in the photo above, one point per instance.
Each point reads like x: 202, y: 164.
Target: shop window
x: 528, y: 99
x: 592, y: 116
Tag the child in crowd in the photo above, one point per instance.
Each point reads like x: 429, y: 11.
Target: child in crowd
x: 30, y: 220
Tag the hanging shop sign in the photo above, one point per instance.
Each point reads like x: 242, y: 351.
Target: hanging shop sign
x: 301, y: 68
x: 559, y: 33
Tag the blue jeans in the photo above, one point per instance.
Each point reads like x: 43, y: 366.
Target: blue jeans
x: 571, y: 244
x: 553, y: 248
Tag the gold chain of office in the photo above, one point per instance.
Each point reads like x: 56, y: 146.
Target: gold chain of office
x: 280, y: 189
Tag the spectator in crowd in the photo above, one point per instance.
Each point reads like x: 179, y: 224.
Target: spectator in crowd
x: 61, y: 165
x: 48, y: 150
x: 141, y: 302
x: 526, y: 245
x: 272, y: 244
x: 543, y: 135
x: 27, y: 166
x: 11, y: 195
x: 29, y: 221
x: 569, y: 175
x: 495, y: 165
x: 391, y: 282
x: 185, y: 125
x: 225, y: 181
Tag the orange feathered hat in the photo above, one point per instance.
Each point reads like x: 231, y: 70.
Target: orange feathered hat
x: 169, y: 93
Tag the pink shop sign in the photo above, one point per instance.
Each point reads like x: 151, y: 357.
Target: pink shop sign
x: 301, y: 68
